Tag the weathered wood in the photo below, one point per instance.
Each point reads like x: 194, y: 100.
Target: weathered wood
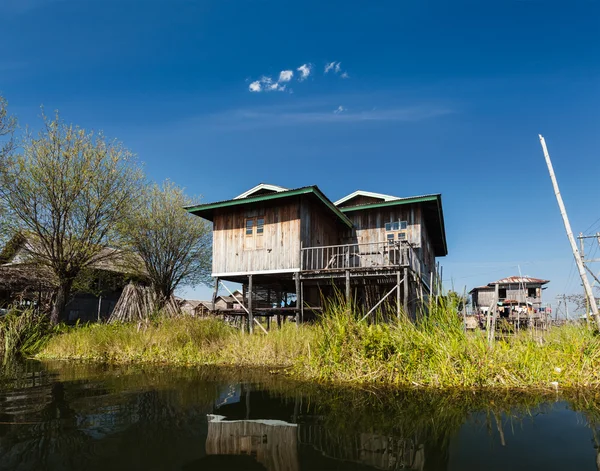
x: 215, y: 293
x: 405, y: 293
x: 298, y: 297
x: 348, y: 288
x: 250, y: 296
x: 398, y: 300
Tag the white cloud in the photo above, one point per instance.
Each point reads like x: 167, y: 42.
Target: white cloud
x: 255, y: 86
x: 285, y: 75
x: 339, y: 109
x: 266, y: 84
x: 329, y: 66
x: 335, y: 68
x: 305, y: 70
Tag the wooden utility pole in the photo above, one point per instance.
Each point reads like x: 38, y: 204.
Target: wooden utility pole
x: 586, y: 284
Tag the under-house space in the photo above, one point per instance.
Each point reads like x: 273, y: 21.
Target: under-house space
x: 291, y: 249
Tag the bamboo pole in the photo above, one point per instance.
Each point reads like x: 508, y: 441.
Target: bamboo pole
x: 586, y: 284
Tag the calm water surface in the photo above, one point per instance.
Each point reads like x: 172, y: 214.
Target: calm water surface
x: 64, y: 416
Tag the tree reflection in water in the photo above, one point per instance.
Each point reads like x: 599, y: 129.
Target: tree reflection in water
x: 75, y: 416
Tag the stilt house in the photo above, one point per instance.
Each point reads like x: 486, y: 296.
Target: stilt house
x: 369, y: 246
x: 513, y: 292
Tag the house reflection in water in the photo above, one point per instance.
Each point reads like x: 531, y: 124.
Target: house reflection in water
x: 279, y: 445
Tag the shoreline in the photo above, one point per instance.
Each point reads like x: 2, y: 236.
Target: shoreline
x: 343, y: 351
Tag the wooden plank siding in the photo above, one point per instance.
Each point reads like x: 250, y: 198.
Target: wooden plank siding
x: 319, y: 226
x: 278, y: 248
x: 370, y: 224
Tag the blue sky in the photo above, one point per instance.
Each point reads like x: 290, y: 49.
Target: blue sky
x: 429, y: 96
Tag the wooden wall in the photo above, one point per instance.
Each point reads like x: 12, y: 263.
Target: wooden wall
x: 319, y: 226
x: 277, y: 249
x: 370, y: 224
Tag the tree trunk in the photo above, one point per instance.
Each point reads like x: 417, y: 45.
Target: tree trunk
x: 62, y: 295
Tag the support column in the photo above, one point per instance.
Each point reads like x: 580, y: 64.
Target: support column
x: 348, y: 287
x: 398, y: 300
x: 250, y: 296
x: 405, y: 293
x: 215, y: 294
x: 302, y: 304
x: 298, y: 298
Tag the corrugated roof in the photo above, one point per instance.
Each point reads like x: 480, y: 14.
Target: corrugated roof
x: 370, y: 194
x: 518, y: 279
x: 206, y: 210
x: 261, y: 187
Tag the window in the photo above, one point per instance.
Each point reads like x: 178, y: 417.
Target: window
x: 502, y: 293
x: 532, y: 292
x: 390, y: 239
x: 249, y: 227
x: 396, y: 226
x: 255, y: 229
x: 401, y: 235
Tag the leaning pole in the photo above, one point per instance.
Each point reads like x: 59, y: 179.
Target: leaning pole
x: 586, y: 284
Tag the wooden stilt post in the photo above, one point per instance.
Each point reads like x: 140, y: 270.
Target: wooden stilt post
x: 302, y: 304
x: 398, y: 297
x: 250, y: 296
x: 348, y: 287
x: 586, y: 284
x: 405, y: 293
x: 298, y: 298
x: 215, y: 294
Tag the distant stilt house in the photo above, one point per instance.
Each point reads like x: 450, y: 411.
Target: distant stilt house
x: 291, y: 248
x: 25, y: 283
x: 515, y: 293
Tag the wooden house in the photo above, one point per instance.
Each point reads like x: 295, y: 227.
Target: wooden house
x: 26, y: 283
x: 514, y: 292
x: 289, y: 248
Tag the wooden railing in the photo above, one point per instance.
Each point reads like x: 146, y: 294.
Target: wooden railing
x: 370, y: 255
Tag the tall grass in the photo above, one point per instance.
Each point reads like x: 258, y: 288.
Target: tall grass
x: 436, y: 352
x: 179, y: 341
x: 23, y: 333
x: 433, y: 352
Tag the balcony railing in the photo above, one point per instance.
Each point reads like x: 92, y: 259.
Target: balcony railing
x: 352, y: 256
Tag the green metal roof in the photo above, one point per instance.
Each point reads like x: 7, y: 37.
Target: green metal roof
x: 435, y: 216
x: 205, y: 210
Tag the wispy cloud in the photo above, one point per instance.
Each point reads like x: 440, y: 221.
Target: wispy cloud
x: 266, y: 84
x: 295, y: 115
x: 305, y: 70
x: 335, y: 68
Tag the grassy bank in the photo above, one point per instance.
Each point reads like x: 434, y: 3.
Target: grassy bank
x: 23, y: 333
x: 435, y: 352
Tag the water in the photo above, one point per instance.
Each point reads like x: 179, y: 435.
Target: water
x: 62, y: 416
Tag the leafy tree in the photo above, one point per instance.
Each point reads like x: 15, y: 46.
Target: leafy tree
x: 7, y: 128
x: 175, y: 247
x: 68, y: 189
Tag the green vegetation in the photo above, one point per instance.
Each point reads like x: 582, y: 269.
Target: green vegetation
x: 22, y: 333
x: 179, y: 341
x: 434, y: 352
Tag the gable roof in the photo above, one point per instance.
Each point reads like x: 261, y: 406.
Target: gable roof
x: 206, y: 211
x: 369, y: 194
x: 510, y: 280
x: 261, y: 188
x: 519, y: 279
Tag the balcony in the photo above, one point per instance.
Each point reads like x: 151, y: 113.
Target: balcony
x: 374, y: 256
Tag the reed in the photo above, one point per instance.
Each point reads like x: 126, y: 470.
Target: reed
x: 433, y: 352
x: 23, y: 333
